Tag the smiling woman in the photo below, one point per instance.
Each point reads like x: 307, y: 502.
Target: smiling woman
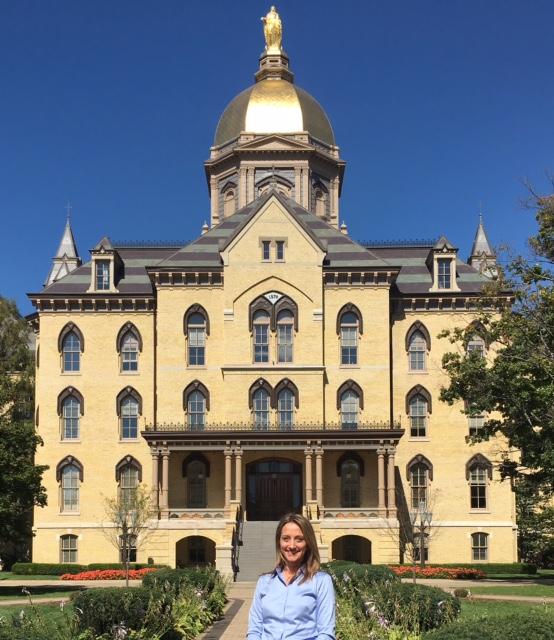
x: 296, y: 600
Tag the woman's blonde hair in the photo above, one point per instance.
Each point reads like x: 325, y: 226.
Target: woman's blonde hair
x: 311, y: 559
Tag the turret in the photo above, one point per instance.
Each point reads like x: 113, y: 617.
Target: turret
x: 482, y: 257
x: 67, y: 257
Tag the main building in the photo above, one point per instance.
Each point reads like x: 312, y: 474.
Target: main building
x: 271, y: 365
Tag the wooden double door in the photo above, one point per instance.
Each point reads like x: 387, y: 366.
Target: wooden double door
x: 273, y: 488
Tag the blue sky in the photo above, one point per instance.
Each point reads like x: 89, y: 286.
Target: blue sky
x: 437, y: 107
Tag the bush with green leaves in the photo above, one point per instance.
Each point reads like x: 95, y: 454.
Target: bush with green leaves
x: 58, y: 569
x: 535, y: 625
x: 363, y: 575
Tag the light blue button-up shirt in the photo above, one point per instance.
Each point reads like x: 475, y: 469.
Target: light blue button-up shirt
x: 298, y: 610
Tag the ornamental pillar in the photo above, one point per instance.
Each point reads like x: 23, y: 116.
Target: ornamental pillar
x: 238, y: 475
x: 155, y: 495
x: 381, y: 479
x: 165, y: 481
x: 228, y: 453
x: 319, y: 476
x: 308, y: 473
x: 391, y: 483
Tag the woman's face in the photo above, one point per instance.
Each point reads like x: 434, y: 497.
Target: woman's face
x: 292, y: 544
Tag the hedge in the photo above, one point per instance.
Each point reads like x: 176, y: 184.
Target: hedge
x: 516, y: 626
x: 100, y: 609
x: 487, y: 567
x: 365, y: 575
x: 413, y: 606
x: 58, y: 569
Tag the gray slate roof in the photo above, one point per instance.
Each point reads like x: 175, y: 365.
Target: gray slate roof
x: 342, y: 252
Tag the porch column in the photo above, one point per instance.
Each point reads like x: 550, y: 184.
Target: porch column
x: 165, y: 480
x: 319, y: 476
x: 155, y: 480
x: 238, y: 475
x: 390, y: 483
x: 308, y: 469
x: 381, y: 479
x: 228, y: 453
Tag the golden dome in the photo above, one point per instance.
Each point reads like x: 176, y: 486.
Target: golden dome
x: 274, y: 105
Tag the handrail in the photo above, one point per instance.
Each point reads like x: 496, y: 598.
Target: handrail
x: 236, y: 541
x: 274, y: 427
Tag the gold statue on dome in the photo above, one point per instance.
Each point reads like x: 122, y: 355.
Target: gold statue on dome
x: 273, y: 31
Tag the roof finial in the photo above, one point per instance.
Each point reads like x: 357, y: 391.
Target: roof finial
x: 68, y: 208
x: 273, y: 31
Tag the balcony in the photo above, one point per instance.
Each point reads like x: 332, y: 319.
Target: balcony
x: 251, y: 427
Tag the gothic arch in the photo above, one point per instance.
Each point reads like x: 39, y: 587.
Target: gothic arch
x: 286, y: 384
x: 68, y: 328
x: 260, y: 384
x: 350, y: 385
x: 196, y: 385
x: 128, y: 327
x: 479, y: 460
x: 126, y: 461
x: 419, y: 459
x: 71, y: 391
x: 418, y: 326
x: 127, y: 391
x: 64, y: 463
x: 350, y: 308
x: 196, y: 308
x: 419, y: 390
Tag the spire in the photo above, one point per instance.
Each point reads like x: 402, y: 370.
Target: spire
x: 67, y: 257
x: 482, y: 257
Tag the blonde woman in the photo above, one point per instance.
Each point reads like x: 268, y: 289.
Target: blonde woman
x: 296, y: 600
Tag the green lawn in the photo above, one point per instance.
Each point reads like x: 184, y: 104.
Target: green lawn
x: 8, y: 575
x: 538, y: 590
x: 43, y: 614
x: 478, y: 608
x: 10, y: 593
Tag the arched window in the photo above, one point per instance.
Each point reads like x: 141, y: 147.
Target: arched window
x: 476, y: 343
x: 196, y: 469
x: 71, y: 353
x: 417, y: 351
x: 71, y: 409
x: 129, y: 407
x: 480, y: 546
x: 260, y: 335
x: 419, y: 485
x: 349, y: 327
x: 70, y: 488
x: 196, y: 334
x: 350, y: 473
x: 128, y: 475
x: 349, y: 409
x: 196, y: 411
x: 68, y: 548
x: 418, y: 408
x: 419, y: 471
x: 478, y: 472
x: 129, y: 344
x: 261, y: 408
x: 285, y: 333
x: 416, y: 551
x: 285, y: 409
x: 229, y: 206
x: 320, y: 202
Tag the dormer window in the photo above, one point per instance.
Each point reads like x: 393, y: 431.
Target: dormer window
x: 102, y: 275
x: 444, y: 274
x: 442, y: 264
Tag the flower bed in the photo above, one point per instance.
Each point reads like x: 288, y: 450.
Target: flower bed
x: 452, y: 573
x: 108, y: 574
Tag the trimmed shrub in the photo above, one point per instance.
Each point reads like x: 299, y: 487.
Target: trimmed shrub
x: 100, y: 609
x: 414, y: 607
x: 46, y: 569
x: 534, y: 625
x: 461, y: 593
x: 58, y: 569
x: 487, y: 567
x: 363, y: 575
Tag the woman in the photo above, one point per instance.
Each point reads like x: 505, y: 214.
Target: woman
x: 296, y: 600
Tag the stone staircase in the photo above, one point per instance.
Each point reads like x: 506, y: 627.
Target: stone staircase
x: 257, y: 552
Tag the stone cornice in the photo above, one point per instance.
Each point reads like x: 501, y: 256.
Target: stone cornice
x: 93, y: 304
x: 358, y: 277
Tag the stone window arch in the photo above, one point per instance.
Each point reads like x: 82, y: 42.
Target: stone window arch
x: 285, y: 400
x: 418, y: 345
x: 128, y: 408
x: 71, y: 345
x: 419, y: 471
x: 350, y: 385
x: 71, y: 406
x: 229, y: 197
x: 196, y: 401
x: 69, y: 474
x: 261, y: 303
x: 478, y: 471
x: 128, y: 474
x: 418, y: 409
x: 261, y: 401
x: 349, y: 329
x: 196, y: 328
x: 128, y: 345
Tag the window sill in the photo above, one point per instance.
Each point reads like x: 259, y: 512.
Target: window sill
x: 70, y: 513
x: 349, y: 366
x: 70, y: 440
x: 479, y: 512
x: 197, y: 366
x: 420, y: 372
x: 129, y: 373
x: 419, y: 439
x: 70, y: 373
x: 126, y: 440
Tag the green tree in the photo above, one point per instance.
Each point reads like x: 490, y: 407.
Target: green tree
x: 514, y: 383
x: 20, y: 479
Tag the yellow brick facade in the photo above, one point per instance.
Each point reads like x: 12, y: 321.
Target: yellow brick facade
x: 224, y: 275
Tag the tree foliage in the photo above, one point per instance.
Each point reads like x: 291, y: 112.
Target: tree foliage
x: 20, y: 479
x: 514, y: 383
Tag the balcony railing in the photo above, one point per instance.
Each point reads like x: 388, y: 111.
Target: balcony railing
x: 374, y: 425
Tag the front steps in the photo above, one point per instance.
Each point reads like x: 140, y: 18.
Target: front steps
x: 257, y: 553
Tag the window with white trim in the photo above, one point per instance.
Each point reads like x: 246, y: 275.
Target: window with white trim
x: 349, y: 330
x: 349, y: 409
x: 260, y: 334
x: 261, y: 409
x: 129, y: 352
x: 418, y: 416
x: 71, y: 410
x: 417, y: 351
x: 480, y: 546
x: 70, y: 483
x: 68, y: 548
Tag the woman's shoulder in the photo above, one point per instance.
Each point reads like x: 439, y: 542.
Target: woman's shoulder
x: 323, y: 578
